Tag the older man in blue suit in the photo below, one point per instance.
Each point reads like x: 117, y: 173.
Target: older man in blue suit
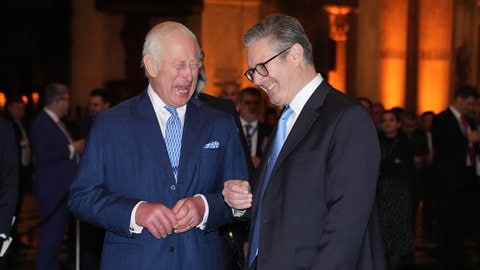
x: 160, y: 214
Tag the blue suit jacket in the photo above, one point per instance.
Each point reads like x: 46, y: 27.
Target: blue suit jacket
x: 54, y: 169
x: 126, y: 161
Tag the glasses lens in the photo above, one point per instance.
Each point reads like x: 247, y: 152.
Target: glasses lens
x: 262, y: 69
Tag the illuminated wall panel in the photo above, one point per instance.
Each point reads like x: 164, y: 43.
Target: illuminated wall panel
x: 434, y: 55
x: 393, y: 46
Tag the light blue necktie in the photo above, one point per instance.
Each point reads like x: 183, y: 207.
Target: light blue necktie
x: 173, y: 138
x: 280, y: 136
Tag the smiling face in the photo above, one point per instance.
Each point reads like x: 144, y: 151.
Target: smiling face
x: 173, y: 71
x: 278, y: 83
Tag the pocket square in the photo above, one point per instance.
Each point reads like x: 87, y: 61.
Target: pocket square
x: 211, y: 145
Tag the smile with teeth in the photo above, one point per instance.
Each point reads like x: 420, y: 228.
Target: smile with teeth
x: 269, y: 87
x: 182, y: 90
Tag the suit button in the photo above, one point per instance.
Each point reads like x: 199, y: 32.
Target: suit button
x: 173, y: 187
x: 267, y: 220
x: 171, y: 249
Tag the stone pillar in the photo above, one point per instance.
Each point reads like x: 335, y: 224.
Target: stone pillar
x: 366, y: 78
x: 393, y: 52
x: 434, y: 54
x: 465, y: 43
x: 223, y: 24
x: 338, y: 21
x: 97, y: 50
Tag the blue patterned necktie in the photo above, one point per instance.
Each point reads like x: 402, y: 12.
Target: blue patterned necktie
x: 279, y: 139
x: 173, y: 138
x: 248, y: 136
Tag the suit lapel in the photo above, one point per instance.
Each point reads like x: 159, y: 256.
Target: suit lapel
x: 145, y: 126
x: 192, y: 128
x: 305, y: 120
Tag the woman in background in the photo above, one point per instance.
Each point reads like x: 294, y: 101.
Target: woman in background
x: 394, y: 189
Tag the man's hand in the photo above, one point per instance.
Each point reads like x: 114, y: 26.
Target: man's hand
x: 158, y: 219
x: 189, y: 213
x: 236, y: 194
x: 78, y: 146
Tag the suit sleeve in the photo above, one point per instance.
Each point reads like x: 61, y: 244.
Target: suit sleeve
x: 235, y: 167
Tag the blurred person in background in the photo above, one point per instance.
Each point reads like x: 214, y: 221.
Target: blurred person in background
x: 56, y: 160
x: 8, y: 185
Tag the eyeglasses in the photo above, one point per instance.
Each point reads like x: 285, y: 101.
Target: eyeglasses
x: 261, y: 69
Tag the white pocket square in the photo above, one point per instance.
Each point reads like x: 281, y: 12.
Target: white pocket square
x: 211, y: 145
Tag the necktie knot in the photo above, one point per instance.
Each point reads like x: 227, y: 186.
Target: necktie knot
x: 287, y: 112
x: 248, y: 128
x: 172, y: 110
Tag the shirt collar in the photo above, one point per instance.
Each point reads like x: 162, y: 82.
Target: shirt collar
x: 455, y: 112
x: 303, y: 95
x: 52, y: 115
x: 159, y: 105
x: 254, y: 123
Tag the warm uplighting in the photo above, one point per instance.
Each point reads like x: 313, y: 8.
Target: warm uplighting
x: 3, y: 101
x: 434, y: 55
x: 393, y: 48
x: 35, y: 98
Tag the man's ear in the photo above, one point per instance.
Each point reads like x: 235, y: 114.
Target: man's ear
x: 149, y: 65
x: 296, y: 53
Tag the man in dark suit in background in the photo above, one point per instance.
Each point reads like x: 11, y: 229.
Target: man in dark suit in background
x: 15, y: 112
x: 161, y: 205
x: 8, y: 183
x: 98, y: 101
x: 56, y: 158
x: 455, y: 141
x: 235, y: 234
x: 256, y: 132
x: 313, y: 208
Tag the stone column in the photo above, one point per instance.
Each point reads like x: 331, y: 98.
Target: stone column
x: 97, y: 51
x: 393, y: 52
x: 434, y: 54
x: 223, y: 24
x: 338, y: 21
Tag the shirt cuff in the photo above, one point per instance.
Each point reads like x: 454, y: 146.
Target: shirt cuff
x: 203, y: 224
x: 238, y: 213
x: 72, y: 151
x: 134, y: 228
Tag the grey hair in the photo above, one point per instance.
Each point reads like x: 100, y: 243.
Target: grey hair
x: 283, y: 32
x: 53, y: 92
x: 154, y: 40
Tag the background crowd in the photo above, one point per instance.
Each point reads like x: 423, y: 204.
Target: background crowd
x: 429, y: 163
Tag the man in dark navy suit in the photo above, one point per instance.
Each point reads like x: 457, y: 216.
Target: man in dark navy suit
x: 312, y: 201
x: 56, y: 158
x: 455, y: 141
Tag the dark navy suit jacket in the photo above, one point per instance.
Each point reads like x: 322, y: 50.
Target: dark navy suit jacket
x: 8, y: 175
x: 54, y: 167
x: 318, y: 208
